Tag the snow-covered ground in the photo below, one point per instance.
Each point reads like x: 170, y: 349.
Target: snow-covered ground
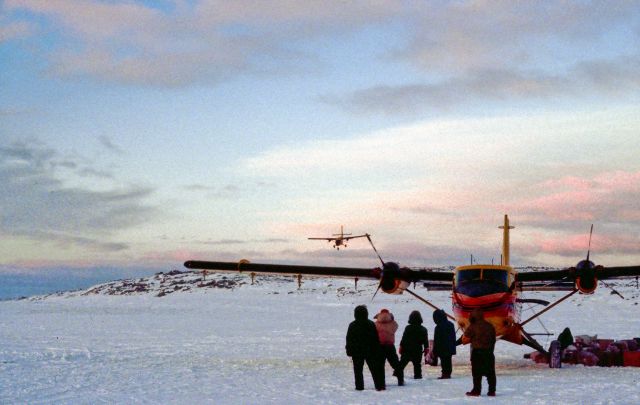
x: 270, y: 343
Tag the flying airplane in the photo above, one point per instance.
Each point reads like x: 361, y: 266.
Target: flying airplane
x: 339, y: 239
x: 492, y: 288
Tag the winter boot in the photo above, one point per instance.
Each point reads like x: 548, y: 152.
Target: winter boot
x: 473, y: 393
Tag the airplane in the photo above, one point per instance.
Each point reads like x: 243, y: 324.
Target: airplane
x: 491, y: 288
x: 339, y: 239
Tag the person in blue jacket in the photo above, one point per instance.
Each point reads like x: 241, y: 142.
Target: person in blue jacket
x: 444, y: 342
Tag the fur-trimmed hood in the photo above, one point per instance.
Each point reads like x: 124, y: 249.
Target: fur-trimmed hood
x: 384, y: 317
x: 387, y: 327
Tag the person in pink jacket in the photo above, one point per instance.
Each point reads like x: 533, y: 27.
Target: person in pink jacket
x: 387, y: 327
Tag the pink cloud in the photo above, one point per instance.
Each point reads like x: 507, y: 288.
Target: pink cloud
x: 566, y: 182
x: 619, y: 181
x: 566, y: 205
x: 570, y: 245
x: 610, y: 195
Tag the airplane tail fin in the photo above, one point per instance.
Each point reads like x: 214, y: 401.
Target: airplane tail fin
x: 505, y: 240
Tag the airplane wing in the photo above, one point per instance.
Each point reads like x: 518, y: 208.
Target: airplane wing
x: 284, y: 269
x: 329, y: 239
x: 565, y: 279
x: 619, y: 272
x: 390, y: 270
x: 354, y: 237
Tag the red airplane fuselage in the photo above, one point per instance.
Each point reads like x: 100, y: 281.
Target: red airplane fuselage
x: 487, y: 287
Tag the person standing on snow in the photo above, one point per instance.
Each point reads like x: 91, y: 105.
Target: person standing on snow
x: 565, y: 338
x: 387, y: 327
x: 363, y: 346
x: 415, y: 340
x: 482, y: 336
x: 444, y: 342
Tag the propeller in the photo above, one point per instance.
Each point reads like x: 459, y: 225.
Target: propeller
x: 613, y: 290
x: 377, y: 289
x: 381, y: 261
x: 374, y: 248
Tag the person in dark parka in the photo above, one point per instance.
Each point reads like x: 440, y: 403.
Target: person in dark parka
x: 444, y: 342
x: 363, y: 346
x: 415, y: 340
x: 482, y: 336
x: 565, y: 338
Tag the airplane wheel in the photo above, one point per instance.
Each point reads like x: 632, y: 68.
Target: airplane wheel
x: 555, y: 355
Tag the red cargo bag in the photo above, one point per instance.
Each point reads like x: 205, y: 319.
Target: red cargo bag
x: 631, y: 359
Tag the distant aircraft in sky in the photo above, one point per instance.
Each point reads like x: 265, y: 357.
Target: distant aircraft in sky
x: 339, y: 239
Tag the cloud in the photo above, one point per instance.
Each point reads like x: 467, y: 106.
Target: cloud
x: 13, y: 30
x: 109, y: 145
x: 90, y: 172
x: 447, y: 183
x: 222, y: 242
x: 36, y: 204
x: 608, y: 196
x: 578, y: 244
x: 462, y: 149
x: 190, y: 42
x: 225, y: 192
x: 389, y: 153
x: 598, y: 78
x: 229, y: 191
x: 472, y: 53
x: 458, y: 45
x: 473, y: 36
x: 439, y: 171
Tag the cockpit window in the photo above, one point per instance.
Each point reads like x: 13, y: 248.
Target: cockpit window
x: 495, y: 275
x: 467, y: 275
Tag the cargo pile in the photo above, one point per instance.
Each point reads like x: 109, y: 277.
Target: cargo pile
x: 591, y: 351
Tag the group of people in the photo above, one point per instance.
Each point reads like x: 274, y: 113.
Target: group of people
x: 373, y: 343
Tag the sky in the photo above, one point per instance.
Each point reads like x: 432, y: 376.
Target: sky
x: 140, y: 134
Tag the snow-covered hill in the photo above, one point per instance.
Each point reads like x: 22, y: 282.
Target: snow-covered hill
x: 176, y: 338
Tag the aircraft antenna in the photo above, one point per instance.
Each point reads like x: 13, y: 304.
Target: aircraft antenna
x: 589, y: 249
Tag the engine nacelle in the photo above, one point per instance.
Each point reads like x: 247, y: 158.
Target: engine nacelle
x: 394, y: 286
x: 586, y: 277
x: 391, y: 283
